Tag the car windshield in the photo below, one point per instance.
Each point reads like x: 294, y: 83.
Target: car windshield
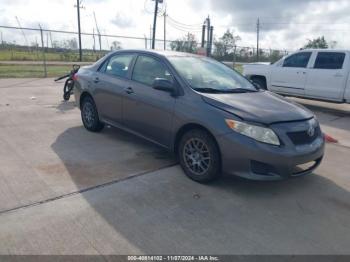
x: 209, y: 76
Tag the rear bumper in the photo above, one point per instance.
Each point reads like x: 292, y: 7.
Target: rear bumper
x: 244, y: 157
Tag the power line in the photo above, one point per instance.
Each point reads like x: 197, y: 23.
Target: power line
x: 184, y: 25
x: 182, y: 28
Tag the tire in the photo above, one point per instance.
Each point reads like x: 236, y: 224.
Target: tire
x: 66, y: 96
x: 67, y: 89
x: 199, y: 156
x: 89, y: 115
x: 259, y: 82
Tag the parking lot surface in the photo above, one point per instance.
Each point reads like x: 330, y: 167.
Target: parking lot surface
x: 64, y: 190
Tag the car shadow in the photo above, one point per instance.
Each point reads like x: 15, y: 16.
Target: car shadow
x: 165, y: 212
x: 92, y: 159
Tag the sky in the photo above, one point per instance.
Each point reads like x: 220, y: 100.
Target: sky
x: 285, y: 25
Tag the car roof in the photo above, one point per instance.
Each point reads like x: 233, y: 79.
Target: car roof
x: 164, y: 53
x: 323, y: 50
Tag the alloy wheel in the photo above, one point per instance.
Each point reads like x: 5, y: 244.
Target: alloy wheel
x: 196, y: 156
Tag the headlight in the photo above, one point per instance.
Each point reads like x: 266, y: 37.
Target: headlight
x: 261, y: 134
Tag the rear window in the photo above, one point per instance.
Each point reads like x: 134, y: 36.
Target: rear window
x: 329, y: 60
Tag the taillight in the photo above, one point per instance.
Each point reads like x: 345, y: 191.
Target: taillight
x: 75, y: 77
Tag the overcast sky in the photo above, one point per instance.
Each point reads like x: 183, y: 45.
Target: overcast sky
x: 284, y: 24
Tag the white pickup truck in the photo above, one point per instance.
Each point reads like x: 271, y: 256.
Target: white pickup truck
x: 316, y: 74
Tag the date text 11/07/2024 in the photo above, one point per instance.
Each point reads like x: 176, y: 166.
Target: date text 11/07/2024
x: 173, y: 258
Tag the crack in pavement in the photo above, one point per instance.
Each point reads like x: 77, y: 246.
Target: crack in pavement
x: 38, y: 203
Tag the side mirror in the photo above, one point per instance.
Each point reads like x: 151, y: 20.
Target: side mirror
x: 163, y: 85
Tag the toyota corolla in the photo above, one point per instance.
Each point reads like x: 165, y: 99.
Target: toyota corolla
x: 213, y: 118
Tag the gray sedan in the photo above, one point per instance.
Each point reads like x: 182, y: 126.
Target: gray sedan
x: 213, y: 118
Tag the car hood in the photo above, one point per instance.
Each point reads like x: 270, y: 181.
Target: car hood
x: 261, y: 107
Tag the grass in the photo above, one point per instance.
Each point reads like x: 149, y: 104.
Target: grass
x: 51, y: 55
x: 32, y: 71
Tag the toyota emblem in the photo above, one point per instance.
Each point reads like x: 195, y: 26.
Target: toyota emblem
x: 311, y: 131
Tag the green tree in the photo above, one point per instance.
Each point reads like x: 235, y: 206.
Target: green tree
x: 225, y: 45
x: 187, y: 44
x: 319, y: 43
x: 116, y: 45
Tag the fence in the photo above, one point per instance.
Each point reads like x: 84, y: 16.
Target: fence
x: 48, y: 52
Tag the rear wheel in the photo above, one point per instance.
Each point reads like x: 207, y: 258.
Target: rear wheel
x: 89, y: 115
x: 259, y: 82
x: 199, y: 156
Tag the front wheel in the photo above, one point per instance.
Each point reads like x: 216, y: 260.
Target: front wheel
x: 199, y: 156
x: 89, y: 115
x: 67, y: 89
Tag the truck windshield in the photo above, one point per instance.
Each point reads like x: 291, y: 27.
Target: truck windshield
x: 207, y: 75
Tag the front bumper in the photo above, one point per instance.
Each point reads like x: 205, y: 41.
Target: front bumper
x: 245, y: 157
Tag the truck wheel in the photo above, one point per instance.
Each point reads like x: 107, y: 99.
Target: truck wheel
x: 259, y: 82
x: 199, y: 156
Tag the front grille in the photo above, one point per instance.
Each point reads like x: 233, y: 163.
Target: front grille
x: 302, y: 137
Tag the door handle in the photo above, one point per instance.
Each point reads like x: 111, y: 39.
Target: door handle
x: 129, y: 90
x: 96, y: 80
x: 338, y: 75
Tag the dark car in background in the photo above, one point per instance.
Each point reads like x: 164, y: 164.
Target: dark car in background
x: 212, y: 117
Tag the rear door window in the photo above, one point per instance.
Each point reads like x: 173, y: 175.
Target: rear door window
x: 118, y: 65
x: 297, y: 60
x: 329, y: 60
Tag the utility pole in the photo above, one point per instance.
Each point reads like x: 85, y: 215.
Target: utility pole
x: 51, y: 40
x: 145, y: 41
x: 211, y: 39
x: 165, y: 29
x: 155, y: 22
x: 98, y: 32
x: 79, y: 32
x: 93, y: 36
x: 2, y: 39
x: 208, y: 36
x: 257, y: 39
x: 150, y: 36
x: 203, y: 35
x: 24, y: 35
x: 43, y: 49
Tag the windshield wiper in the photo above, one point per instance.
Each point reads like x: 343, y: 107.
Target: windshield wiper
x: 241, y: 90
x: 207, y: 90
x: 227, y: 91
